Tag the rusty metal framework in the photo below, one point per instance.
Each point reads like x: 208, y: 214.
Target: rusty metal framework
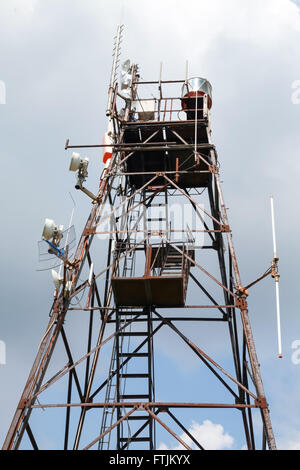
x: 143, y: 266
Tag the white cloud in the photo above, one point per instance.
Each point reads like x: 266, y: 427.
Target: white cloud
x: 297, y: 2
x: 290, y: 444
x: 293, y: 445
x: 211, y: 436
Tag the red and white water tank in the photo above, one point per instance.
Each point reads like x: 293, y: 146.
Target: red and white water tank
x: 192, y: 95
x: 107, y: 143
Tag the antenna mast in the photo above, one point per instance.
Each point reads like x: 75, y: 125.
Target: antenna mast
x: 276, y: 276
x: 116, y: 57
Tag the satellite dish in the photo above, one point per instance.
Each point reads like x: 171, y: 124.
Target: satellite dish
x: 126, y: 76
x: 125, y: 67
x: 79, y: 164
x: 53, y: 232
x: 49, y: 228
x: 57, y: 280
x: 54, y: 251
x: 75, y: 162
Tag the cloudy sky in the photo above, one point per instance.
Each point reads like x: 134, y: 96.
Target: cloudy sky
x: 55, y: 64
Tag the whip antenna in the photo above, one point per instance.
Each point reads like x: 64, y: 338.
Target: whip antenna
x: 115, y: 64
x: 276, y: 276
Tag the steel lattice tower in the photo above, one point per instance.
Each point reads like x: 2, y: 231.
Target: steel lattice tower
x: 161, y: 150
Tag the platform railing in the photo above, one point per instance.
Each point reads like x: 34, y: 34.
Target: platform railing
x: 167, y: 109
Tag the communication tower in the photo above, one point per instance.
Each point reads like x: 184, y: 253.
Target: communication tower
x: 161, y: 268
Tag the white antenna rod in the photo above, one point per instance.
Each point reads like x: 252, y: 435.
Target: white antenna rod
x: 91, y: 274
x: 186, y: 72
x: 276, y: 277
x: 278, y: 318
x: 196, y: 126
x: 273, y: 227
x: 159, y: 87
x: 67, y: 237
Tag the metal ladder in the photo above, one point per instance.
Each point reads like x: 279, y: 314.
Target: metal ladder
x: 163, y: 215
x: 110, y: 395
x: 172, y: 263
x: 111, y: 392
x: 127, y: 378
x: 129, y: 262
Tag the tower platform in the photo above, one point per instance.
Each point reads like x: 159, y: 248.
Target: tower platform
x: 167, y: 146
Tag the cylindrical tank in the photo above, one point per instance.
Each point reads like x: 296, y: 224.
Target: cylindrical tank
x: 107, y: 141
x: 192, y: 94
x: 107, y: 149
